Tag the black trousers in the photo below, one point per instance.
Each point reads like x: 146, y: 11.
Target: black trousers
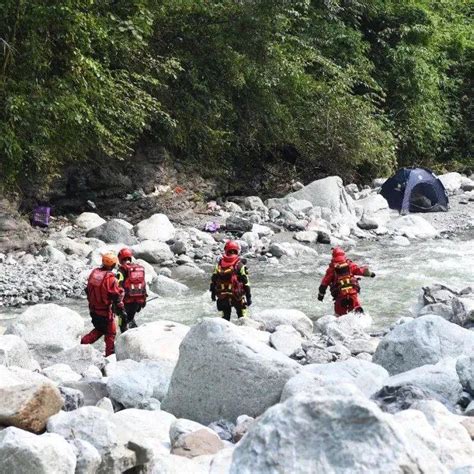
x: 225, y: 307
x: 131, y: 309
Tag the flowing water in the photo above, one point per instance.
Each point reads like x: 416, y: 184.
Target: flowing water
x: 293, y: 283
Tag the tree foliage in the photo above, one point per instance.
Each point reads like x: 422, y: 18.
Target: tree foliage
x: 319, y: 86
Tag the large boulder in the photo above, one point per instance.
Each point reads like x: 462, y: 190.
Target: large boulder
x: 164, y: 286
x: 88, y: 458
x: 48, y: 329
x: 221, y: 375
x: 27, y: 399
x: 288, y: 249
x: 440, y: 381
x: 158, y: 340
x: 95, y: 426
x: 141, y: 426
x: 26, y: 453
x: 156, y: 227
x: 61, y: 373
x: 153, y: 251
x: 395, y: 398
x: 365, y: 375
x: 14, y: 352
x: 451, y: 181
x: 274, y: 317
x: 286, y: 339
x: 328, y: 433
x: 413, y: 227
x: 441, y: 432
x: 329, y: 193
x: 113, y: 232
x: 89, y: 220
x: 139, y: 384
x: 425, y: 340
x: 92, y: 390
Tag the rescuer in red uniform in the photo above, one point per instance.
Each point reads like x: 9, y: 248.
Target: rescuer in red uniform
x: 104, y: 296
x: 344, y: 286
x: 131, y: 277
x: 230, y: 284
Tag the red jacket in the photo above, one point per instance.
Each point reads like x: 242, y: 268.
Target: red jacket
x: 102, y: 291
x: 329, y: 277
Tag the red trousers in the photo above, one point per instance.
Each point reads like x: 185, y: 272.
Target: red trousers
x: 103, y: 326
x: 347, y: 303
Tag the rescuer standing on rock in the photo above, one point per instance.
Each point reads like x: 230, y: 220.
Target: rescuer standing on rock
x: 230, y: 283
x: 344, y: 286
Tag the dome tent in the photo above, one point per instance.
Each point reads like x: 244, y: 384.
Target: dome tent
x: 415, y: 190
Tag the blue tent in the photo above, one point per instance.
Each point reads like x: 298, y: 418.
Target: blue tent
x: 415, y: 190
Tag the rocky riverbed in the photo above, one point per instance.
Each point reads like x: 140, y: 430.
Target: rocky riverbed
x: 291, y: 389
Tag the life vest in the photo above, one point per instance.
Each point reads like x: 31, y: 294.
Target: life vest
x: 134, y: 283
x: 344, y: 283
x: 228, y: 285
x: 97, y: 294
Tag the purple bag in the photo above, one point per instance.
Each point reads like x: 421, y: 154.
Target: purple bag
x: 212, y: 226
x: 41, y: 215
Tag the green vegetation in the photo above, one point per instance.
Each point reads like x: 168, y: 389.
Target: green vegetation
x: 351, y: 87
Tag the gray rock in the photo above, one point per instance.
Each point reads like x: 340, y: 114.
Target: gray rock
x: 237, y: 223
x: 165, y: 286
x: 254, y: 203
x: 425, y: 340
x: 183, y: 426
x: 106, y: 404
x: 317, y: 355
x: 139, y: 384
x: 159, y: 340
x: 366, y: 376
x: 93, y: 390
x: 187, y: 272
x: 223, y: 429
x: 465, y: 371
x: 95, y: 426
x: 328, y: 433
x: 178, y: 247
x: 437, y: 293
x: 113, y: 232
x: 308, y: 236
x: 61, y: 373
x: 316, y: 384
x: 286, y: 339
x: 157, y: 227
x: 14, y: 352
x: 72, y: 398
x: 80, y: 358
x: 153, y: 251
x: 48, y: 329
x: 26, y: 453
x: 52, y: 254
x: 27, y: 399
x: 197, y: 443
x: 243, y: 424
x: 441, y: 380
x: 220, y: 374
x: 88, y: 458
x: 89, y: 220
x: 274, y: 317
x: 367, y: 223
x: 449, y: 442
x: 469, y: 411
x: 395, y: 398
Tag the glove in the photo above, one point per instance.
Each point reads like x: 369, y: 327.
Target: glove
x: 248, y: 300
x: 121, y: 313
x: 321, y: 292
x: 213, y: 296
x: 372, y: 275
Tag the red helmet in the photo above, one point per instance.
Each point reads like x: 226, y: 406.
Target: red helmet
x: 231, y: 245
x: 125, y: 253
x: 338, y: 252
